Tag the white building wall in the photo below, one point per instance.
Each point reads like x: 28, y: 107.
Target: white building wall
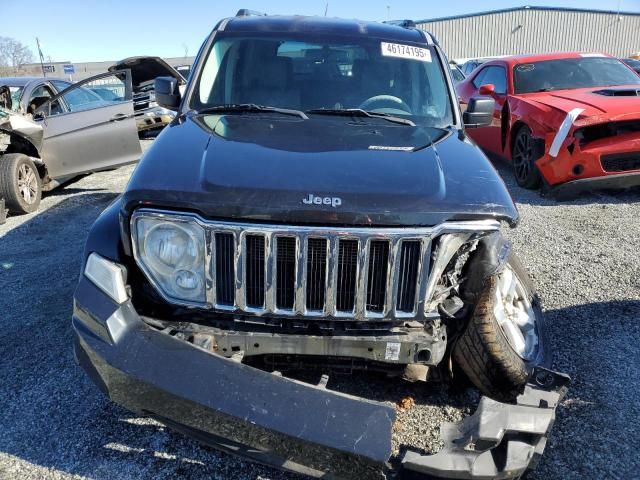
x: 530, y: 30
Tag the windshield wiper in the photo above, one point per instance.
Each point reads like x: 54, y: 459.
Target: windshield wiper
x: 252, y: 107
x: 358, y: 112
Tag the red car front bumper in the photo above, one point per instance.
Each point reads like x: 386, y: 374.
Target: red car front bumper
x: 612, y: 162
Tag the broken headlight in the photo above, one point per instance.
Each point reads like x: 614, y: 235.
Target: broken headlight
x: 171, y: 251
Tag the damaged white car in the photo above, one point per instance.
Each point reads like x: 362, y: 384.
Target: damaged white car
x: 52, y: 130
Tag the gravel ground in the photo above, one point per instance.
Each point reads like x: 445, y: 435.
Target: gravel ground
x: 583, y: 256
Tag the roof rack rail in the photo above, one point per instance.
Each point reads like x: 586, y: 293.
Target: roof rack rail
x: 245, y: 12
x: 401, y: 23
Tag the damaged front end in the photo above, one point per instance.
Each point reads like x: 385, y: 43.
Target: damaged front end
x: 287, y: 423
x: 222, y: 377
x: 19, y: 133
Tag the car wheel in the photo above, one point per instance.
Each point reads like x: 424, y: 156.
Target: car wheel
x: 523, y: 161
x: 20, y: 183
x: 506, y: 336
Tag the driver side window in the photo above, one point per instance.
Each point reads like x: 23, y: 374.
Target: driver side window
x: 494, y: 75
x: 94, y: 93
x: 41, y: 95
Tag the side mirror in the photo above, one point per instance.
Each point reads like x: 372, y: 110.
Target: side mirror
x: 167, y: 93
x: 488, y: 89
x: 479, y: 112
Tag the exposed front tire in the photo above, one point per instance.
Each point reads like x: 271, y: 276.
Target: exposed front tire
x: 20, y: 183
x: 505, y: 337
x: 523, y: 159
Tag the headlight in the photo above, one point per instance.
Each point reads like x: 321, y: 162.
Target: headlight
x: 171, y: 252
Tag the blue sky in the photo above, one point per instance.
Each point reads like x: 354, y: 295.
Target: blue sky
x: 92, y: 30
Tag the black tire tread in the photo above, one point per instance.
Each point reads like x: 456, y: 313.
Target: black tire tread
x: 9, y: 164
x: 482, y: 351
x: 534, y: 180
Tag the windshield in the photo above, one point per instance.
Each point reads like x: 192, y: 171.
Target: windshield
x: 568, y: 73
x: 332, y: 74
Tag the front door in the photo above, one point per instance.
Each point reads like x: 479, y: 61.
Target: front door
x: 90, y: 126
x: 490, y: 138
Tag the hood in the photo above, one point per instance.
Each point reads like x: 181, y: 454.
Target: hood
x: 612, y: 103
x: 12, y: 123
x: 146, y: 69
x: 271, y: 168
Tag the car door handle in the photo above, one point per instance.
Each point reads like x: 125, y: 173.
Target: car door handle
x: 118, y: 117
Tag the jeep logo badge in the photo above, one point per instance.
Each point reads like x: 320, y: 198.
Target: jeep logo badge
x: 313, y: 200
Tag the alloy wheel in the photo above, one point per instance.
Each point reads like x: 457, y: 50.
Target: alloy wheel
x: 516, y: 316
x: 522, y: 154
x: 27, y: 184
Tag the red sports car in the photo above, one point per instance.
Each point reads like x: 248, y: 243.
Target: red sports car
x: 569, y: 122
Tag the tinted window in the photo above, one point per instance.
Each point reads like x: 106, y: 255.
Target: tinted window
x: 457, y: 75
x: 60, y: 85
x: 568, y: 73
x: 39, y: 97
x: 325, y: 73
x: 97, y: 93
x: 477, y: 80
x: 470, y: 66
x: 494, y: 75
x: 635, y: 64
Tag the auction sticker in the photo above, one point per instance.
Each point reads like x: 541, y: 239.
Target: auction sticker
x: 405, y: 51
x: 392, y: 352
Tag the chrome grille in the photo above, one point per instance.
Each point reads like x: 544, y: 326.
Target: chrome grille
x: 316, y: 273
x: 225, y: 274
x: 141, y: 101
x: 342, y: 273
x: 347, y: 272
x: 254, y: 280
x: 285, y: 272
x: 409, y: 261
x: 377, y: 275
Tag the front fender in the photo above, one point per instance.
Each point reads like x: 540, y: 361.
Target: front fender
x: 104, y: 237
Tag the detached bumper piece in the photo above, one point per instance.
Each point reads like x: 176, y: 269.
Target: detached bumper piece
x: 286, y: 423
x: 267, y: 417
x: 499, y: 441
x: 3, y: 212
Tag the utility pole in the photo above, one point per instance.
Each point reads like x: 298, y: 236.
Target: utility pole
x: 388, y: 12
x: 326, y: 8
x: 44, y: 74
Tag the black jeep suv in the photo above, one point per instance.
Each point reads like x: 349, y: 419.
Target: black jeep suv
x: 315, y: 204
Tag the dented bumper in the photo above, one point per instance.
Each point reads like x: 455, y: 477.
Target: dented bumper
x: 569, y: 190
x: 286, y: 423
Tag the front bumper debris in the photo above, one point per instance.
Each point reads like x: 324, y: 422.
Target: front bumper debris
x: 286, y: 423
x: 499, y: 440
